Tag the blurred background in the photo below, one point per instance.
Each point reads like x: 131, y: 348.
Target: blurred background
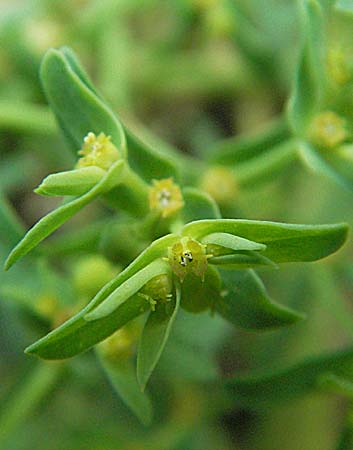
x: 183, y: 74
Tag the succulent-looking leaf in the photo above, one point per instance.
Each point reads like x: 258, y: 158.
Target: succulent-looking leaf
x: 284, y: 242
x: 154, y: 338
x: 245, y: 303
x: 261, y: 390
x: 122, y: 376
x: 76, y: 106
x: 71, y: 182
x: 78, y: 335
x: 308, y: 85
x: 128, y: 289
x: 56, y: 218
x: 232, y: 242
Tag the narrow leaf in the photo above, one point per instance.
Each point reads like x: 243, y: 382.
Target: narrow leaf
x: 284, y: 242
x: 232, y: 242
x: 77, y: 335
x: 56, y: 218
x: 244, y: 259
x: 154, y: 337
x: 128, y: 289
x: 245, y: 303
x: 71, y: 182
x: 77, y: 107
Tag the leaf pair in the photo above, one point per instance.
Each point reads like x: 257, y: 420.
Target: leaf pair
x: 117, y: 303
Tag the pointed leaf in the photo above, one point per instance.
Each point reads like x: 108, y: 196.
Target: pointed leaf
x: 284, y: 242
x: 77, y: 107
x: 154, y: 337
x: 77, y: 335
x: 232, y: 242
x: 71, y: 182
x: 56, y: 218
x: 245, y: 303
x: 122, y: 377
x: 128, y: 289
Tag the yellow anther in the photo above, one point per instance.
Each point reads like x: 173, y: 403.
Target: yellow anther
x: 328, y: 129
x: 188, y: 256
x: 165, y: 197
x: 220, y: 183
x: 98, y: 151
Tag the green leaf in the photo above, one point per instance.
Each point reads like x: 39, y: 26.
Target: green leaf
x: 264, y: 389
x: 245, y: 303
x: 244, y: 259
x: 232, y: 242
x: 239, y: 149
x: 321, y: 166
x: 148, y: 162
x: 284, y: 242
x: 77, y: 335
x: 56, y: 218
x: 128, y: 289
x: 76, y: 106
x: 122, y: 377
x: 154, y: 338
x: 71, y: 182
x: 198, y: 205
x: 344, y: 6
x: 308, y: 85
x: 198, y: 295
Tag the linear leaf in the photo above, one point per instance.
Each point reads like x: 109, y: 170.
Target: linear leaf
x: 232, y: 242
x: 245, y: 303
x: 284, y: 242
x: 128, y: 289
x: 154, y: 338
x: 77, y: 335
x: 56, y: 218
x: 71, y: 182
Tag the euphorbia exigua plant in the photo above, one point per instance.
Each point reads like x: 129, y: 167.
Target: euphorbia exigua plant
x: 181, y: 254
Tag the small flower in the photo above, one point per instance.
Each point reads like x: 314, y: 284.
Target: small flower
x: 188, y: 256
x: 165, y: 197
x: 220, y: 183
x: 328, y: 129
x: 339, y: 65
x: 98, y: 151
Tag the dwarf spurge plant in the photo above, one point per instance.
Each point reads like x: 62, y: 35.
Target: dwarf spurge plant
x: 165, y: 243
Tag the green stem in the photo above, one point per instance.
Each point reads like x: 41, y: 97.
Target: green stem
x: 26, y: 399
